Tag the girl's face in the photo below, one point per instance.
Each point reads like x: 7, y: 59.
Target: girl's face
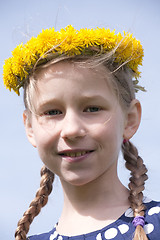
x: 78, y: 126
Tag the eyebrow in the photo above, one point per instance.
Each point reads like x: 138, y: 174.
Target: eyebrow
x: 81, y: 99
x: 94, y: 97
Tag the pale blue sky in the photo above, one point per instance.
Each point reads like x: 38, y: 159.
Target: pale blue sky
x: 20, y: 164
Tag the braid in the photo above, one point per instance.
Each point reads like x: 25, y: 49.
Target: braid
x: 47, y: 178
x: 135, y: 164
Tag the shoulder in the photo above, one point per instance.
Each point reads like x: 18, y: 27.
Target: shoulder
x: 152, y: 207
x: 43, y: 236
x: 152, y: 218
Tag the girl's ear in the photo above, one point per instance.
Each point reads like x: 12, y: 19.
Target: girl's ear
x: 133, y: 118
x: 28, y: 126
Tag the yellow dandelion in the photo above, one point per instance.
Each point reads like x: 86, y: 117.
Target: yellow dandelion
x: 106, y: 38
x: 46, y: 41
x: 30, y: 51
x: 68, y: 41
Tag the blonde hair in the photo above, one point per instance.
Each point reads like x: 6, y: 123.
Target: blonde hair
x: 123, y: 85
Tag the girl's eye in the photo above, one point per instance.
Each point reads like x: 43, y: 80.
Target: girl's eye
x: 53, y: 112
x: 92, y: 109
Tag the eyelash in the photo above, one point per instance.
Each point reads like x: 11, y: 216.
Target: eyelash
x: 55, y: 112
x: 50, y: 112
x: 94, y: 108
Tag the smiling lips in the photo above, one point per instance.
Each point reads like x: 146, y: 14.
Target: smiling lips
x: 75, y: 155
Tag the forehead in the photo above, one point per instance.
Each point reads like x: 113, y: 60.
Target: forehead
x: 75, y: 73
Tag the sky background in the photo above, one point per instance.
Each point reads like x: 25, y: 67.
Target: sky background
x: 20, y: 163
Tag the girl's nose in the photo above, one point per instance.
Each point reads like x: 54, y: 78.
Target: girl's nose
x: 72, y: 127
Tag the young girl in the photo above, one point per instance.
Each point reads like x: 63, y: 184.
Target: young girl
x: 79, y: 95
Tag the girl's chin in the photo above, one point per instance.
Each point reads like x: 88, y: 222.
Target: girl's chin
x: 76, y: 180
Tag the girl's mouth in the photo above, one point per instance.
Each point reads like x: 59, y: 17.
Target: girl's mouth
x: 75, y: 155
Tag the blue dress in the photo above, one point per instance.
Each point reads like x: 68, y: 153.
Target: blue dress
x: 121, y: 229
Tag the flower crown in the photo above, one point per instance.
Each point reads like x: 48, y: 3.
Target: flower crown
x: 68, y: 41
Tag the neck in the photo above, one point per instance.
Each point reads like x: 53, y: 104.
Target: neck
x: 94, y: 204
x: 78, y: 198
